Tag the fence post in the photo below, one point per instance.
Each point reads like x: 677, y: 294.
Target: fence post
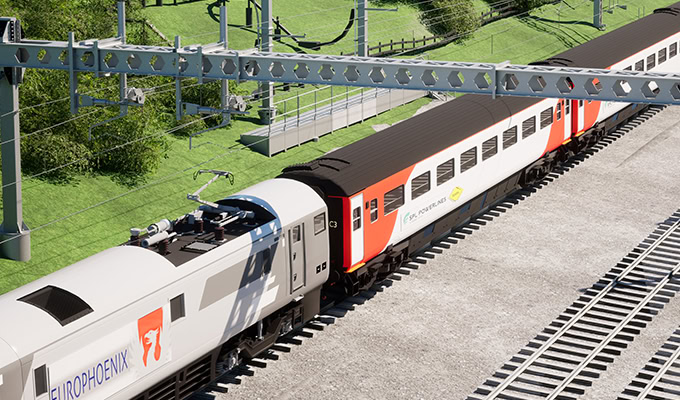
x: 362, y: 105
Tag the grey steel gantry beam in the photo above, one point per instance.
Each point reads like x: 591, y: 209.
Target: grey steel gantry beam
x: 215, y: 62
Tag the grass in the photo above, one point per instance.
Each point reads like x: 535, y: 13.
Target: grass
x: 95, y: 213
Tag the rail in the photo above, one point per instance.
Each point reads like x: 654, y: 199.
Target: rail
x: 598, y: 325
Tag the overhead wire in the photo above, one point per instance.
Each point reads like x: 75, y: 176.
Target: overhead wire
x: 153, y: 183
x: 127, y: 143
x: 22, y: 109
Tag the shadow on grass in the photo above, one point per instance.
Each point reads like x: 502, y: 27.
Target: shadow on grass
x: 166, y: 3
x: 558, y: 29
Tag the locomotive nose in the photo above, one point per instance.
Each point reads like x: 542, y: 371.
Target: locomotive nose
x: 10, y: 373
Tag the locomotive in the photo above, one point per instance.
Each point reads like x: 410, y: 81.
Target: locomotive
x: 182, y: 301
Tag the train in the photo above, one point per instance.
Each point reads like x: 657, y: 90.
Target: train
x: 184, y: 300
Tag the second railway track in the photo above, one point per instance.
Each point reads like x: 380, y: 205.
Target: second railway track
x: 564, y: 359
x: 660, y: 377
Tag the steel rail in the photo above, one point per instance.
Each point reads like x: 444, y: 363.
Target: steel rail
x: 650, y: 386
x: 606, y: 341
x: 594, y: 301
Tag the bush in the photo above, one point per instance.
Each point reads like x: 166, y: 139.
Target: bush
x: 525, y: 5
x: 450, y: 17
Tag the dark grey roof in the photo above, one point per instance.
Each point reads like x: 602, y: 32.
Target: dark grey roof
x: 353, y: 168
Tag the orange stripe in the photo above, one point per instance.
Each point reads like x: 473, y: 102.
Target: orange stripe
x: 356, y: 267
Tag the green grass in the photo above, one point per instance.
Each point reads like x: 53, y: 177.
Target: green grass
x: 320, y: 20
x: 163, y: 195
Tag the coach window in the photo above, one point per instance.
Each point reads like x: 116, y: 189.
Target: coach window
x: 319, y: 223
x: 420, y: 185
x: 177, y: 310
x: 356, y: 218
x: 640, y: 65
x: 528, y: 127
x: 651, y: 61
x: 546, y: 117
x: 40, y: 377
x: 567, y: 107
x: 297, y: 235
x: 558, y: 110
x: 393, y: 199
x: 468, y: 159
x: 662, y: 56
x: 374, y: 210
x: 267, y: 260
x: 445, y: 171
x: 673, y: 50
x: 489, y: 148
x: 509, y: 137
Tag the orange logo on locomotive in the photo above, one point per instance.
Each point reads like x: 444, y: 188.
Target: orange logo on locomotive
x: 150, y: 328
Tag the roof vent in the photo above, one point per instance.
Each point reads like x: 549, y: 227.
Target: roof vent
x: 64, y: 306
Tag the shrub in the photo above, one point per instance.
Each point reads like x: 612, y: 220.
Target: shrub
x: 449, y: 17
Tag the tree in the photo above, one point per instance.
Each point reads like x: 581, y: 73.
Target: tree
x: 128, y: 148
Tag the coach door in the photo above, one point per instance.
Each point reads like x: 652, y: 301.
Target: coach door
x: 578, y: 115
x: 357, y: 226
x: 566, y: 110
x: 296, y: 252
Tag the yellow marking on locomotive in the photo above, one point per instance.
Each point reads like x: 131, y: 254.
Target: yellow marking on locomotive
x: 566, y: 141
x: 457, y: 192
x: 356, y: 267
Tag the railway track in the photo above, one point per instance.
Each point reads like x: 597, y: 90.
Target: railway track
x: 331, y: 315
x: 660, y: 377
x: 568, y: 355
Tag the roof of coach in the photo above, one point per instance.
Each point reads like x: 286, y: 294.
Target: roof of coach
x: 607, y: 50
x: 105, y: 282
x: 352, y: 168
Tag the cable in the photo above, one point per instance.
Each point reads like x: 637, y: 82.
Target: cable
x: 163, y: 179
x: 161, y: 134
x: 169, y: 131
x: 68, y: 97
x: 506, y: 23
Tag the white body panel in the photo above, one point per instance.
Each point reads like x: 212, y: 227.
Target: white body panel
x: 438, y: 202
x: 358, y: 234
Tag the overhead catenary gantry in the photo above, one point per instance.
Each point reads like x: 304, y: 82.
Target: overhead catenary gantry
x: 217, y: 62
x: 213, y: 61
